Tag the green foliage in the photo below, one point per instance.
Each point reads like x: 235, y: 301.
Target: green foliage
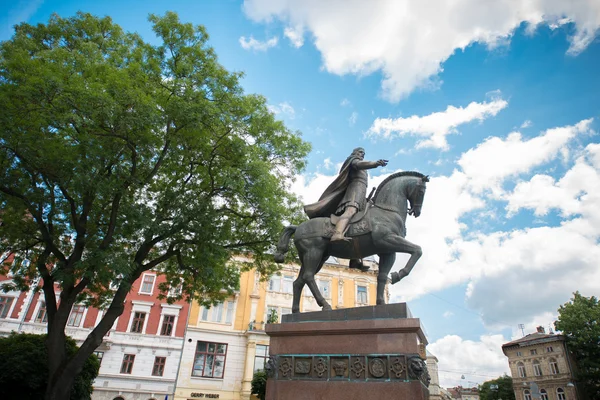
x: 118, y: 156
x: 259, y: 384
x: 579, y: 321
x: 272, y: 318
x: 23, y: 371
x: 499, y: 388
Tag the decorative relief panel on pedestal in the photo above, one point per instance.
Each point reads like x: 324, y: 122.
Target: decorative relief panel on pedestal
x: 352, y: 367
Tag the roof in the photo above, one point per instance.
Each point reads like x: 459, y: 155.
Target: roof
x: 534, y: 338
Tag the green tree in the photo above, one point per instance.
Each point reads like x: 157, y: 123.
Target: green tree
x: 495, y: 389
x: 259, y: 384
x: 579, y: 321
x: 118, y: 156
x: 23, y: 371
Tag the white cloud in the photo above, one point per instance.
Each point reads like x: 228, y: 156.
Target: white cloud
x: 409, y: 41
x: 495, y: 159
x: 327, y: 163
x: 353, y: 118
x: 295, y: 35
x: 284, y: 108
x: 436, y: 126
x: 345, y: 102
x: 448, y: 314
x: 257, y: 45
x: 476, y: 361
x: 526, y: 124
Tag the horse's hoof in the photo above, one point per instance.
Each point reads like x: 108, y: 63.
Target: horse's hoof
x: 396, y: 277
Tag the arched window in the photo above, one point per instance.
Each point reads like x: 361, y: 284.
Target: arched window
x: 554, y: 366
x: 543, y: 394
x: 118, y: 398
x: 560, y: 394
x: 537, y: 368
x: 521, y: 368
x: 527, y: 395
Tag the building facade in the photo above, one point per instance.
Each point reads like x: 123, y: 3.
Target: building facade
x: 139, y: 357
x: 541, y: 367
x: 464, y: 393
x: 226, y: 344
x: 158, y: 351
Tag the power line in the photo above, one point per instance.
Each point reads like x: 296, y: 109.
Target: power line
x: 467, y: 373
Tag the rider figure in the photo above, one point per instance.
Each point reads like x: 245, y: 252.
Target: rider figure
x: 347, y: 193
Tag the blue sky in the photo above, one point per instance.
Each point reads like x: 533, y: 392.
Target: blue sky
x: 498, y: 102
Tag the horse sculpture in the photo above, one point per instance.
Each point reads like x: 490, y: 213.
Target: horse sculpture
x: 379, y: 230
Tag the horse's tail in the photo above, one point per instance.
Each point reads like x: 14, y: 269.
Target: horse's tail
x: 284, y: 243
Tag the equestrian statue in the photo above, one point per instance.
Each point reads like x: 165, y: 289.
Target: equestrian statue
x: 345, y: 224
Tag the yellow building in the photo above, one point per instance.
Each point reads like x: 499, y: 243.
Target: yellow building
x: 225, y: 344
x: 541, y: 367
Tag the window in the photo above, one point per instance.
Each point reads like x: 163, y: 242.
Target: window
x: 533, y: 352
x: 167, y: 326
x: 100, y: 355
x: 127, y: 364
x: 521, y: 368
x: 76, y: 315
x: 147, y: 284
x: 270, y: 310
x: 217, y: 313
x: 554, y: 366
x: 279, y: 310
x: 229, y: 315
x: 205, y: 313
x: 260, y: 359
x: 209, y: 360
x: 537, y: 368
x: 41, y: 316
x: 519, y: 354
x: 175, y: 291
x: 159, y: 366
x: 361, y: 294
x: 275, y: 283
x: 137, y: 325
x: 526, y: 395
x: 325, y: 288
x: 549, y: 349
x: 560, y: 394
x: 5, y: 303
x: 543, y: 394
x: 288, y: 284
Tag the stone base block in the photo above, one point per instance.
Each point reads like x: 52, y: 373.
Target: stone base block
x: 357, y: 353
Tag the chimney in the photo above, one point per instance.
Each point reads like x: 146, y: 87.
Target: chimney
x: 541, y: 329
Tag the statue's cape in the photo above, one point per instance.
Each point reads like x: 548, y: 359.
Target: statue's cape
x: 331, y: 197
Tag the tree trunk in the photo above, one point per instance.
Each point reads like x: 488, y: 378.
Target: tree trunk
x: 62, y: 373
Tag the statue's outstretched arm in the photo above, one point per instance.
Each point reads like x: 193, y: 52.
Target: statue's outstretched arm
x: 370, y: 164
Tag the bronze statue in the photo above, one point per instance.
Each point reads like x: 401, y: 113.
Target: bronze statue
x: 346, y: 195
x: 377, y: 229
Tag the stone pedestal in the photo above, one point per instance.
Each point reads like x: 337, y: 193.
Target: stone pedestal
x: 356, y: 353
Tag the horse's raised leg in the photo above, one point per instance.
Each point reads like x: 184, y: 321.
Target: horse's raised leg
x: 398, y: 244
x: 386, y: 262
x: 312, y: 263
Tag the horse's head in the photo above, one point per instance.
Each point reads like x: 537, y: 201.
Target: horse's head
x: 416, y: 195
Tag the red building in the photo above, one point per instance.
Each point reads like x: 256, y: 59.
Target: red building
x: 139, y: 356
